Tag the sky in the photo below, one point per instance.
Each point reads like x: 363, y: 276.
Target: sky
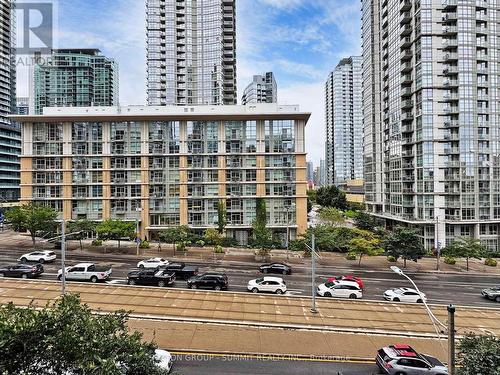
x: 300, y: 41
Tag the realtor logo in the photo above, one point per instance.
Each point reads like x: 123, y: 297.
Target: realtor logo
x: 35, y: 27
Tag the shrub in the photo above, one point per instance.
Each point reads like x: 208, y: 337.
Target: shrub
x: 229, y: 242
x: 490, y: 262
x: 350, y: 256
x: 200, y: 243
x: 350, y: 214
x: 144, y: 245
x: 219, y: 249
x: 391, y: 258
x: 449, y: 260
x: 97, y: 242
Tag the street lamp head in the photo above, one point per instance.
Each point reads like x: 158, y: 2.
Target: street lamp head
x: 397, y: 270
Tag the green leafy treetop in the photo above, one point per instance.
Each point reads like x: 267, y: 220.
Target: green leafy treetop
x: 365, y: 244
x: 332, y: 216
x: 66, y: 338
x: 221, y: 216
x: 176, y: 235
x: 262, y: 236
x: 331, y: 196
x: 83, y: 227
x: 404, y: 242
x: 117, y: 230
x: 478, y: 354
x: 35, y: 218
x: 465, y: 247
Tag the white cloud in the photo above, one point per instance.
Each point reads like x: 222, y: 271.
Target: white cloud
x: 283, y: 4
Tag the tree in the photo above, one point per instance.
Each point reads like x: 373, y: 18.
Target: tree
x: 331, y: 196
x: 117, y: 230
x: 478, y: 354
x: 366, y: 245
x: 32, y: 217
x: 365, y: 221
x: 221, y: 216
x: 332, y: 216
x: 465, y: 247
x: 213, y: 237
x: 311, y: 199
x: 262, y: 236
x: 84, y: 227
x: 176, y: 235
x: 67, y: 338
x: 404, y: 242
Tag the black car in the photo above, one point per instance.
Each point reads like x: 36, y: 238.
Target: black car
x: 181, y: 270
x: 281, y: 268
x: 216, y: 281
x: 158, y: 277
x: 21, y: 270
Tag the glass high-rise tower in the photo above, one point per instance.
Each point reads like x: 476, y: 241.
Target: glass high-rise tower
x: 191, y: 52
x: 10, y: 134
x: 344, y: 122
x: 75, y: 78
x: 431, y: 116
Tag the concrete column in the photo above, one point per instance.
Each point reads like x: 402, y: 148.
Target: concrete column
x: 67, y: 165
x: 26, y: 179
x: 301, y: 193
x: 144, y: 197
x: 261, y: 176
x: 106, y: 187
x: 183, y: 190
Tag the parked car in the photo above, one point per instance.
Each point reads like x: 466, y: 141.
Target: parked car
x: 404, y: 295
x: 38, y: 256
x: 280, y: 268
x: 152, y: 263
x: 341, y: 289
x: 403, y: 359
x: 492, y: 293
x: 348, y: 278
x: 216, y: 281
x: 181, y: 270
x: 267, y: 284
x: 158, y: 277
x: 86, y: 272
x: 24, y: 271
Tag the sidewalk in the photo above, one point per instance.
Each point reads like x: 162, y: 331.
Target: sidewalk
x: 378, y: 263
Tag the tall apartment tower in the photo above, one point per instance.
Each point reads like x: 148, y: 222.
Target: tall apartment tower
x: 74, y: 78
x: 10, y: 133
x: 263, y: 89
x: 191, y: 52
x: 431, y: 116
x: 344, y: 122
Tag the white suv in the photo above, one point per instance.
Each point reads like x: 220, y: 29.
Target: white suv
x: 267, y: 284
x: 342, y: 289
x: 152, y: 263
x: 404, y: 295
x: 38, y: 256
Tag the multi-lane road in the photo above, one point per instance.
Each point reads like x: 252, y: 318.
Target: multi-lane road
x: 459, y: 289
x: 221, y: 364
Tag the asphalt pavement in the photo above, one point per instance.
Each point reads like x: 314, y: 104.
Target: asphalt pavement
x: 440, y: 288
x: 195, y: 364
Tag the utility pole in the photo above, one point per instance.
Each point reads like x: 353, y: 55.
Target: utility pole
x: 451, y: 339
x: 313, y: 276
x: 63, y: 257
x: 137, y: 236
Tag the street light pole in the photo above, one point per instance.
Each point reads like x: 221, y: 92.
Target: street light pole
x: 63, y: 257
x: 451, y: 322
x: 313, y: 276
x: 451, y: 339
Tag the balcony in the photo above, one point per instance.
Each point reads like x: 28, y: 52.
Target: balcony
x: 450, y: 123
x: 449, y: 17
x: 408, y: 166
x: 451, y: 137
x: 450, y: 30
x: 407, y: 128
x: 450, y: 43
x: 452, y: 150
x: 450, y: 82
x: 406, y: 79
x: 407, y: 104
x: 451, y: 69
x: 406, y: 91
x: 406, y: 29
x: 450, y: 96
x: 406, y: 42
x: 406, y: 55
x: 407, y: 153
x: 453, y: 164
x: 405, y: 18
x: 406, y: 116
x: 406, y: 67
x: 450, y: 56
x: 449, y: 4
x: 451, y: 109
x: 408, y: 178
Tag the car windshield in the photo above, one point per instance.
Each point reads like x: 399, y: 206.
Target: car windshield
x: 496, y: 288
x: 330, y: 284
x: 398, y: 291
x: 259, y: 280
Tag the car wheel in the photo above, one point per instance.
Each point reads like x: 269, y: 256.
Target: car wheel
x: 255, y: 290
x: 24, y: 260
x: 353, y: 296
x: 419, y: 301
x: 2, y: 274
x: 327, y: 294
x: 279, y: 291
x: 400, y: 373
x: 395, y: 299
x: 59, y: 277
x: 131, y: 282
x: 93, y: 279
x: 161, y: 283
x: 24, y: 276
x: 41, y: 260
x: 284, y: 272
x: 141, y: 266
x: 497, y: 299
x: 217, y: 288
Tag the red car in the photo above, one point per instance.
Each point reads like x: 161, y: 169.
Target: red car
x: 348, y: 278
